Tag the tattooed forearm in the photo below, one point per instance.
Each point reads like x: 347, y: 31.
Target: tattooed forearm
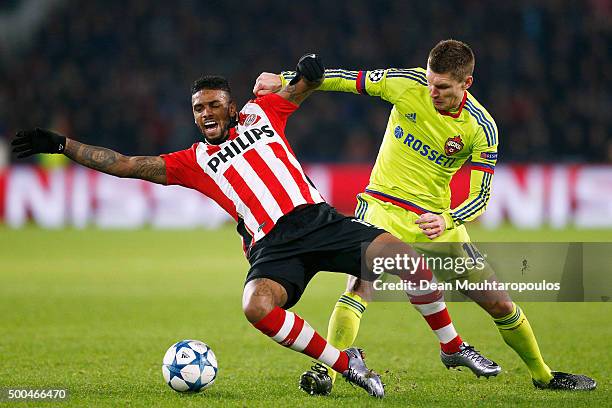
x: 290, y: 89
x: 151, y: 168
x: 299, y: 91
x: 97, y: 158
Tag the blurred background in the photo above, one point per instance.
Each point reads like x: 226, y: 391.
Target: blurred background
x: 118, y: 74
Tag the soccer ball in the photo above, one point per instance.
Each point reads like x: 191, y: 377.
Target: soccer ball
x: 189, y: 365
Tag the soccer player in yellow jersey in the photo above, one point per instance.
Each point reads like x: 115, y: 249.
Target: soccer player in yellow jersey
x: 435, y: 126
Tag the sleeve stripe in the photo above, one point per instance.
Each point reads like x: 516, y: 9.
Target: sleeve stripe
x: 361, y: 210
x: 477, y: 203
x: 475, y: 210
x: 341, y: 73
x: 406, y: 75
x: 487, y: 121
x: 329, y: 73
x: 486, y: 124
x: 479, y: 119
x: 411, y: 71
x: 344, y: 75
x: 361, y: 88
x: 456, y: 214
x: 483, y: 167
x: 484, y: 186
x: 478, y: 112
x: 344, y: 71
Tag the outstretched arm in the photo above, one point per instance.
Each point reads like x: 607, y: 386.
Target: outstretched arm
x: 150, y: 168
x: 309, y: 75
x: 388, y: 84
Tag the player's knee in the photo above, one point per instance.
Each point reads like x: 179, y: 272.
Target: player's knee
x: 260, y: 296
x: 499, y: 308
x: 255, y: 308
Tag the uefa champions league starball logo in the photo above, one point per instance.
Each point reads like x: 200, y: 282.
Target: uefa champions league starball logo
x: 376, y: 75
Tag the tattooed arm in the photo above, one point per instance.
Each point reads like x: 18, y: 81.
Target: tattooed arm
x: 298, y: 92
x: 309, y: 76
x: 150, y: 168
x: 28, y: 142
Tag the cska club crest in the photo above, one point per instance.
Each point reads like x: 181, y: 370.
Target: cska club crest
x: 248, y: 120
x: 453, y: 145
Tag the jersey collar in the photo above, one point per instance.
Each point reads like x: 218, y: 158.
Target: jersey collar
x: 456, y: 114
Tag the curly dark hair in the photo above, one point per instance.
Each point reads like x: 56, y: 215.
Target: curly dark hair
x: 211, y: 82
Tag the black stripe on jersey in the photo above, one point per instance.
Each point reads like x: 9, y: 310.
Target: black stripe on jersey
x: 483, y: 121
x: 409, y: 76
x: 476, y: 204
x: 341, y: 75
x: 411, y: 71
x: 341, y: 71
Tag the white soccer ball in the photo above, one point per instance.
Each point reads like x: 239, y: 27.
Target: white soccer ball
x: 189, y: 365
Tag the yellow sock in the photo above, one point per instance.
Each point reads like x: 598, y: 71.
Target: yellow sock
x: 344, y: 323
x: 517, y: 333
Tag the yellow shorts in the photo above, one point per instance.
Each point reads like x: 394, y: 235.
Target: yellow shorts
x: 400, y: 222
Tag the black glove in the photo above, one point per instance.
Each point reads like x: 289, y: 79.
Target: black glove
x: 32, y: 141
x: 310, y: 67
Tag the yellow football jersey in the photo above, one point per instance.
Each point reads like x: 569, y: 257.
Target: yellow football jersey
x: 422, y: 147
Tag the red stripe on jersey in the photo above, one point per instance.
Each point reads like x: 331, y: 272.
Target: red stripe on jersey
x: 295, y: 172
x: 438, y: 320
x: 215, y: 192
x: 270, y: 180
x: 249, y: 198
x: 277, y: 109
x: 182, y: 169
x: 489, y: 170
x: 212, y: 149
x: 406, y: 205
x: 298, y: 324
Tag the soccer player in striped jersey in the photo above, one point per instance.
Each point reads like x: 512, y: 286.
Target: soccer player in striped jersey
x: 435, y: 126
x: 289, y: 233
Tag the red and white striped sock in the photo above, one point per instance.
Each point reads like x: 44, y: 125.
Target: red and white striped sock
x: 290, y: 330
x: 437, y: 317
x: 430, y: 303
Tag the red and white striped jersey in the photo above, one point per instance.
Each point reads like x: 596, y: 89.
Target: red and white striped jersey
x: 254, y: 175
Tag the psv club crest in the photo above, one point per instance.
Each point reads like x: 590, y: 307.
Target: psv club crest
x: 248, y: 120
x: 453, y: 145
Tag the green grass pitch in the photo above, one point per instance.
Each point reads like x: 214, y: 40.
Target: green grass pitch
x: 94, y: 311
